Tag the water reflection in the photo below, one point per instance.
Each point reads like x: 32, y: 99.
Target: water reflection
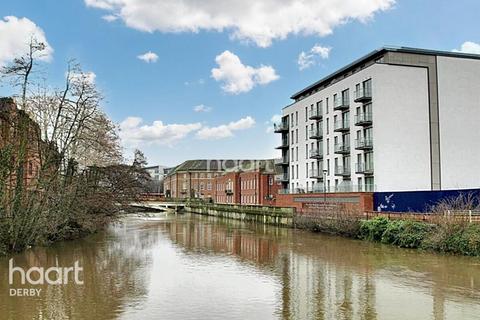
x: 201, y: 267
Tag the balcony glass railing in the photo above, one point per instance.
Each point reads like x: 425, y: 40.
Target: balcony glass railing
x: 320, y: 188
x: 363, y: 93
x: 316, y: 153
x: 340, y: 103
x: 342, y: 171
x: 315, y: 174
x: 364, y: 167
x: 341, y: 125
x: 341, y: 148
x: 316, y: 133
x: 280, y: 126
x: 363, y: 118
x: 363, y: 143
x: 315, y: 114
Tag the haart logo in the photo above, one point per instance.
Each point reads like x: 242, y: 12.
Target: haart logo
x: 40, y: 276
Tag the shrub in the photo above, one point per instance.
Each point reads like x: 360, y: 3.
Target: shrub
x: 412, y: 234
x: 373, y: 229
x: 459, y: 239
x: 392, y: 232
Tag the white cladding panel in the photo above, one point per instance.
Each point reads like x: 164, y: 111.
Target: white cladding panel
x: 401, y: 134
x: 459, y: 112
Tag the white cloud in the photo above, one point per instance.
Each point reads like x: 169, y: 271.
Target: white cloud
x: 132, y: 132
x: 469, y: 47
x: 258, y: 21
x: 202, y: 108
x: 237, y: 77
x: 148, y: 57
x: 88, y: 77
x: 16, y: 34
x: 110, y: 17
x: 225, y: 130
x: 310, y: 58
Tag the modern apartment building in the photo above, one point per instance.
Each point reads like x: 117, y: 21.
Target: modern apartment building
x: 157, y: 174
x: 397, y: 119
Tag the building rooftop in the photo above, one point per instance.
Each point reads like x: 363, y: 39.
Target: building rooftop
x: 372, y: 56
x: 221, y: 165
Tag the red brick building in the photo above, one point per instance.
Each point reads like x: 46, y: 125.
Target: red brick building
x: 18, y: 131
x: 227, y: 188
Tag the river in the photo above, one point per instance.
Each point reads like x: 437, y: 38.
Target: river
x: 197, y: 267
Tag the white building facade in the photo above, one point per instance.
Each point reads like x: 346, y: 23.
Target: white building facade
x: 398, y: 119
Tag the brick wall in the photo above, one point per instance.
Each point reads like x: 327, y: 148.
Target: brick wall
x: 356, y: 201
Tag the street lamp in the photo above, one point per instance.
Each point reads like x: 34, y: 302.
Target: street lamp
x: 324, y: 190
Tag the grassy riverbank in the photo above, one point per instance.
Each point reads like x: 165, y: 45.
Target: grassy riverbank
x: 448, y: 236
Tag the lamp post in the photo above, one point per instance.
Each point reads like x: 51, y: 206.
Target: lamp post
x: 324, y: 190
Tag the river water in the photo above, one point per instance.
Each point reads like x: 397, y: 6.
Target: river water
x: 196, y: 267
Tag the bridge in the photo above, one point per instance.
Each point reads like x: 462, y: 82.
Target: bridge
x: 158, y: 205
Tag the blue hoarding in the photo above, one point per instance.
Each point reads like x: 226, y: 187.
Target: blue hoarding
x: 415, y: 201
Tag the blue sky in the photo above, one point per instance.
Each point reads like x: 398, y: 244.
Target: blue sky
x: 257, y: 66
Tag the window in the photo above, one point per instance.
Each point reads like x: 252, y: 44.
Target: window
x: 328, y: 166
x: 296, y: 155
x: 306, y: 151
x: 293, y: 172
x: 292, y: 120
x: 296, y: 118
x: 292, y: 156
x: 328, y: 146
x: 296, y: 135
x: 328, y: 126
x: 297, y: 170
x: 306, y: 114
x: 345, y: 97
x: 306, y: 132
x: 326, y: 105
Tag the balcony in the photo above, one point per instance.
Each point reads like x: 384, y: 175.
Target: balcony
x: 364, y: 168
x: 363, y: 119
x: 283, y: 145
x: 316, y: 133
x: 363, y: 144
x: 341, y: 126
x: 228, y: 192
x: 280, y: 127
x: 340, y: 104
x: 316, y: 153
x: 342, y: 171
x: 315, y: 114
x: 315, y: 174
x: 283, y: 161
x: 341, y: 148
x: 363, y: 95
x: 283, y: 177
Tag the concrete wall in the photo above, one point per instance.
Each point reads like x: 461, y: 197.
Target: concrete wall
x: 459, y: 103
